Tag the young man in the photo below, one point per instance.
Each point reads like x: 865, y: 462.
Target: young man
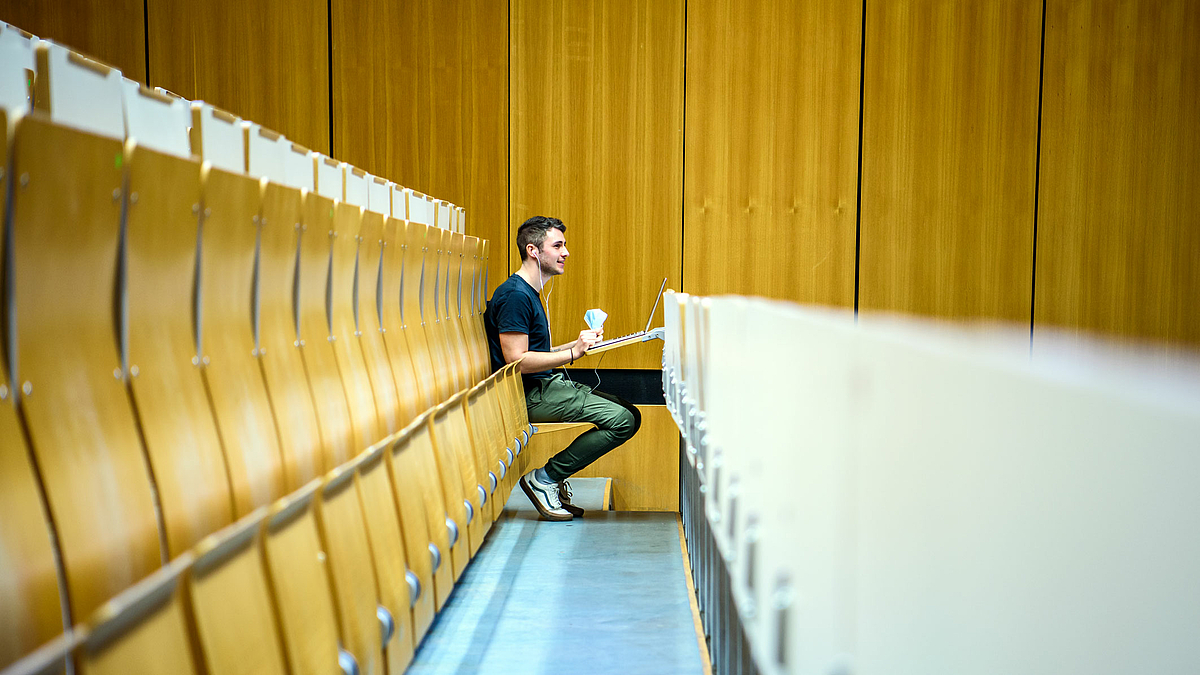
x: 516, y: 328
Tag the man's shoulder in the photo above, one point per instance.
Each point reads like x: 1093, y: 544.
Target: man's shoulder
x: 514, y: 286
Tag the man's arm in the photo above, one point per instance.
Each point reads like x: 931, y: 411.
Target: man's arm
x: 516, y: 346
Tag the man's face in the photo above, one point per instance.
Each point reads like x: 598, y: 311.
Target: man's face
x: 554, y: 253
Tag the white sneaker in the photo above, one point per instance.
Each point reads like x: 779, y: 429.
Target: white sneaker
x: 544, y: 497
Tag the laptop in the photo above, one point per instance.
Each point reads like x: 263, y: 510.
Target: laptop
x: 633, y: 337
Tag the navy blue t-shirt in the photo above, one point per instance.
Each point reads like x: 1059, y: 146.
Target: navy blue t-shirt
x: 516, y: 308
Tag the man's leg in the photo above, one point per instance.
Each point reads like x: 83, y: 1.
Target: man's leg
x: 558, y: 400
x: 616, y: 421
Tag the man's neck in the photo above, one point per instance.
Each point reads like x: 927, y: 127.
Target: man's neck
x: 531, y: 274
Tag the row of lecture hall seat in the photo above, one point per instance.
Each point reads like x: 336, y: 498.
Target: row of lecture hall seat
x: 247, y: 423
x: 900, y: 496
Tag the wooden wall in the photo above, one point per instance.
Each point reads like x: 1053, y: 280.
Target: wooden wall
x: 772, y: 148
x: 420, y: 95
x: 1118, y: 248
x: 112, y: 31
x: 950, y: 119
x: 596, y: 96
x: 263, y: 60
x: 1023, y: 160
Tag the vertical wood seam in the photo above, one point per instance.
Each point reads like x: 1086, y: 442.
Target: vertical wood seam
x: 862, y: 76
x: 1037, y: 178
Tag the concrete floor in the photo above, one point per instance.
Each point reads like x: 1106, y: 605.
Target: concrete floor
x: 605, y: 594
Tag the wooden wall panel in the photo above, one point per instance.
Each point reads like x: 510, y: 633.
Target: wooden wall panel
x: 771, y: 159
x: 263, y: 60
x: 949, y: 156
x: 421, y: 98
x: 596, y: 140
x: 645, y: 470
x: 112, y: 31
x: 1119, y: 228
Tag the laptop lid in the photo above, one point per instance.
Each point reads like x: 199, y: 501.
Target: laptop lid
x: 655, y: 307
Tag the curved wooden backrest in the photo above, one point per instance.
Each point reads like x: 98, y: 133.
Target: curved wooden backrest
x: 452, y: 439
x: 485, y: 439
x: 448, y: 276
x: 444, y: 370
x: 320, y: 364
x: 236, y: 624
x: 395, y: 332
x: 146, y: 630
x: 370, y: 323
x: 418, y: 487
x: 348, y: 557
x: 472, y: 315
x: 388, y: 554
x: 507, y: 422
x: 300, y: 584
x: 347, y: 224
x: 410, y: 518
x: 66, y: 226
x: 500, y: 444
x: 419, y: 266
x: 30, y: 606
x: 229, y: 240
x: 450, y: 475
x: 279, y: 356
x: 485, y: 359
x: 459, y: 283
x: 177, y: 421
x: 474, y: 466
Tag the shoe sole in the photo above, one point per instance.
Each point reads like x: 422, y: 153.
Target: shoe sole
x: 573, y: 510
x: 538, y: 505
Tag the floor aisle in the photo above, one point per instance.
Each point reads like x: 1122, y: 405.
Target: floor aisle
x: 605, y: 594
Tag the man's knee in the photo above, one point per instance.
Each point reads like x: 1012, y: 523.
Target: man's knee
x: 627, y: 423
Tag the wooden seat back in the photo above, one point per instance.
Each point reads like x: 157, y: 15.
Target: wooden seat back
x: 460, y: 466
x: 400, y: 589
x: 300, y: 584
x: 395, y: 330
x: 316, y: 346
x: 451, y: 475
x: 180, y: 433
x: 279, y: 355
x: 459, y: 283
x: 65, y: 232
x: 347, y: 226
x: 418, y: 488
x: 237, y: 627
x: 231, y: 204
x: 30, y: 605
x: 487, y: 442
x: 418, y: 273
x: 445, y: 370
x: 351, y: 571
x: 368, y: 310
x: 144, y: 631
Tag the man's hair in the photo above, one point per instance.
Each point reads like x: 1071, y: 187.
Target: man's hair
x: 534, y: 231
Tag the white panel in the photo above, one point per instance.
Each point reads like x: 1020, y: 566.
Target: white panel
x: 222, y: 140
x: 156, y: 121
x: 16, y: 66
x: 356, y: 185
x: 379, y: 195
x: 298, y: 167
x: 420, y: 208
x: 400, y: 201
x: 442, y: 215
x: 266, y: 153
x: 330, y: 182
x: 83, y: 94
x: 462, y: 220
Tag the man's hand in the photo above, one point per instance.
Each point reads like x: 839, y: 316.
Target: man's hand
x: 587, y: 340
